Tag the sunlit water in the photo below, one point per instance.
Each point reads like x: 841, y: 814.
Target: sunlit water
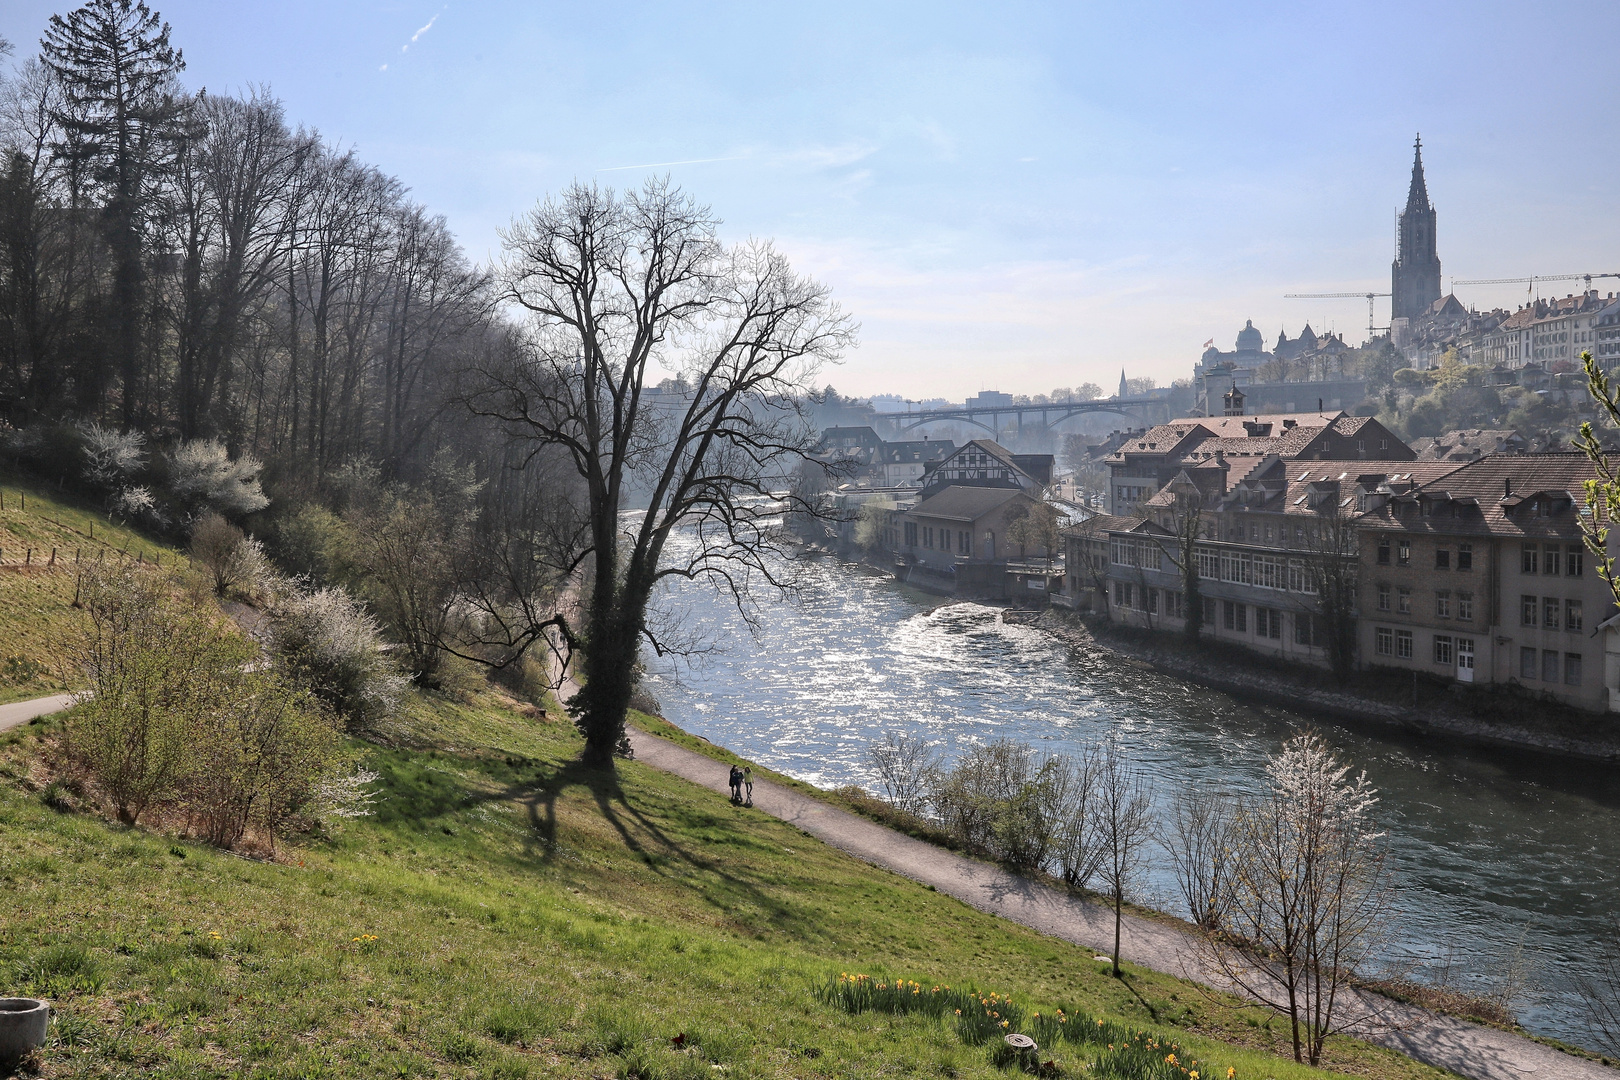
x: 1495, y: 847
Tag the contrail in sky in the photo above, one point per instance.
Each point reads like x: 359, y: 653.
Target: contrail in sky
x: 667, y: 164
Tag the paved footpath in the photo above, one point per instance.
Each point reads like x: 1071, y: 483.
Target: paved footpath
x: 1469, y: 1049
x: 20, y: 712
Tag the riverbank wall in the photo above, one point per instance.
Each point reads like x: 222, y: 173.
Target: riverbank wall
x: 1426, y: 707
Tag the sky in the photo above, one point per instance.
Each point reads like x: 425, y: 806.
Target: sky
x: 1010, y: 196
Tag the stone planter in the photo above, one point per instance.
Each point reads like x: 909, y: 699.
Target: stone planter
x: 22, y: 1027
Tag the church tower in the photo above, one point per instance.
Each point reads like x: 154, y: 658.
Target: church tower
x: 1416, y: 272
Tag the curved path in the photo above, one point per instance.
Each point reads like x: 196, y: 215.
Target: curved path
x: 1469, y: 1049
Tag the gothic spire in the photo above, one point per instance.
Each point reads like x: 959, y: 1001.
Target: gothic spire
x: 1417, y: 196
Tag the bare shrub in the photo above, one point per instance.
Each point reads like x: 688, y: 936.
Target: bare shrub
x: 995, y: 801
x: 905, y: 765
x: 179, y: 717
x: 1598, y: 984
x: 1198, y: 836
x: 232, y: 560
x: 327, y: 642
x: 259, y: 762
x: 161, y: 667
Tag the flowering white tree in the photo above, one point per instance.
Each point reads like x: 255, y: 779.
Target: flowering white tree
x: 1310, y: 889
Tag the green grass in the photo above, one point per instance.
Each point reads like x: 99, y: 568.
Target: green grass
x: 530, y: 919
x: 37, y: 617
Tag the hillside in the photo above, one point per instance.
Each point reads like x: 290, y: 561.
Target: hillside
x: 503, y: 914
x: 37, y: 617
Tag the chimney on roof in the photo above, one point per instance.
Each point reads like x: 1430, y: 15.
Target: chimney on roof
x: 1507, y: 486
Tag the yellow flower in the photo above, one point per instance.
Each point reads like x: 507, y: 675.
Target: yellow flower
x: 1230, y: 1072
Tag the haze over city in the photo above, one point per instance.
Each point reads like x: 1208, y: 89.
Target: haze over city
x: 1015, y: 198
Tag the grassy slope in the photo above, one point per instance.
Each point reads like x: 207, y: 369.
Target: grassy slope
x: 531, y: 919
x: 37, y: 618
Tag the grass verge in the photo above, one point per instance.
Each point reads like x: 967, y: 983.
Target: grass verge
x: 37, y: 617
x: 506, y: 914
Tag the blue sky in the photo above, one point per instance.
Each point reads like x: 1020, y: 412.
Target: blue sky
x: 1014, y: 196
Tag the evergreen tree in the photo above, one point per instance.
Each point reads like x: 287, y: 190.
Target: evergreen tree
x: 120, y: 116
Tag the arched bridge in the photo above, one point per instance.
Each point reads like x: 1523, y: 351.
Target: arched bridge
x: 1147, y: 410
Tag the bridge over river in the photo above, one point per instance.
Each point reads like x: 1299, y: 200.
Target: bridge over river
x: 1144, y: 411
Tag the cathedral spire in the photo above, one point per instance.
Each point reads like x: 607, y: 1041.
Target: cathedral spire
x: 1417, y: 196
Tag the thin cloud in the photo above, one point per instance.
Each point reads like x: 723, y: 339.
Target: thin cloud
x: 667, y: 164
x: 425, y: 28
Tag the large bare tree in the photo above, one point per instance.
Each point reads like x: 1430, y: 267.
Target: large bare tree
x: 617, y: 287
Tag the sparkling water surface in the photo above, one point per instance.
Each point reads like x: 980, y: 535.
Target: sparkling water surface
x: 1503, y: 854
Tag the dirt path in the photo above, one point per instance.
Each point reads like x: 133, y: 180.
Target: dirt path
x: 1469, y: 1049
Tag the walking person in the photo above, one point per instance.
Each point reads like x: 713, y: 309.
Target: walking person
x: 736, y: 784
x: 748, y: 782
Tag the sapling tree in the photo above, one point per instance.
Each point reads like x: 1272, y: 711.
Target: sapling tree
x: 616, y: 286
x: 1125, y: 825
x: 1198, y: 835
x: 905, y: 766
x: 1309, y: 895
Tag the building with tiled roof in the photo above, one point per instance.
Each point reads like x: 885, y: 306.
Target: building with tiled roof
x: 1467, y: 444
x: 1142, y: 465
x: 986, y: 463
x: 1483, y: 575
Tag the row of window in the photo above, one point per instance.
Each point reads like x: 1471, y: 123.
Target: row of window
x: 1566, y: 559
x: 929, y: 537
x: 1553, y: 558
x: 1544, y: 665
x: 1402, y: 550
x: 1236, y: 617
x: 1545, y: 612
x: 1447, y: 604
x: 1449, y: 651
x: 1127, y: 595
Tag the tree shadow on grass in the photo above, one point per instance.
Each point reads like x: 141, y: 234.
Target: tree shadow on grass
x: 428, y: 793
x: 649, y: 840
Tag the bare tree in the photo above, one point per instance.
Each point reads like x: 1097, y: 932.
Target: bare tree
x: 1332, y: 573
x: 1199, y: 836
x: 1125, y: 824
x: 1599, y: 988
x: 1077, y: 837
x: 905, y: 765
x: 615, y: 287
x: 1310, y: 890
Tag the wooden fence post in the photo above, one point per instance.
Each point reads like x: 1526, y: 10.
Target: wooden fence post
x: 28, y: 557
x: 53, y: 557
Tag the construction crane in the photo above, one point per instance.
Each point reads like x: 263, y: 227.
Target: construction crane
x: 1531, y: 281
x: 1368, y: 296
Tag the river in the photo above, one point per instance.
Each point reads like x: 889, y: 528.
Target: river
x: 1503, y: 855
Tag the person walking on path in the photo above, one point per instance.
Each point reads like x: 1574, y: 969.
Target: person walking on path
x: 736, y: 784
x: 748, y: 782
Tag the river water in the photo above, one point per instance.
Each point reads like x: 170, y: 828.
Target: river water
x: 1506, y: 858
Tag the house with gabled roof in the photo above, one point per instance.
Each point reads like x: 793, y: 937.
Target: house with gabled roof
x: 1483, y: 576
x: 955, y: 539
x: 986, y: 463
